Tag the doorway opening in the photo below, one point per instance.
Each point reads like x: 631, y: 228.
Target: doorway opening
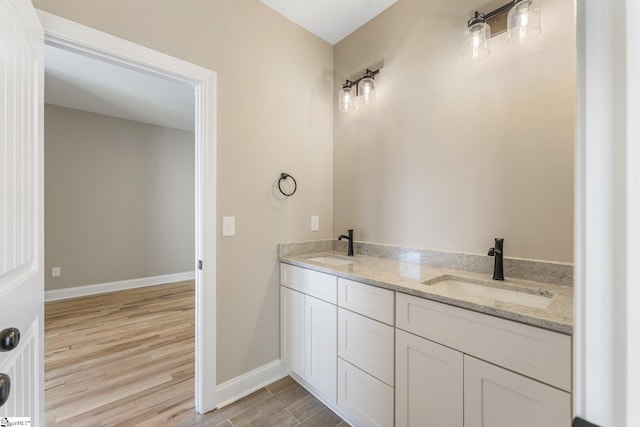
x: 81, y: 40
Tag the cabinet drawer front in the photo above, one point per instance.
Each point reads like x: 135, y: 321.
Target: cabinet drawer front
x: 370, y: 301
x: 495, y: 397
x: 534, y: 352
x: 366, y: 344
x: 320, y: 285
x: 366, y: 400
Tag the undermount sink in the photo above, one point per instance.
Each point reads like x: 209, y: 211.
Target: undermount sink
x: 330, y: 260
x: 502, y: 292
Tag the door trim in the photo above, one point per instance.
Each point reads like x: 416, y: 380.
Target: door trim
x: 607, y: 212
x: 70, y: 35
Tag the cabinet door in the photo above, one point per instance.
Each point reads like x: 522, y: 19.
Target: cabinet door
x: 320, y: 346
x: 429, y: 381
x: 495, y: 397
x: 292, y: 329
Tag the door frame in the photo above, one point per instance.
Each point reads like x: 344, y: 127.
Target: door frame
x: 70, y: 35
x: 607, y: 214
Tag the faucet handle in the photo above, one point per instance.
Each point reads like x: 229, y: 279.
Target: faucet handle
x: 492, y: 252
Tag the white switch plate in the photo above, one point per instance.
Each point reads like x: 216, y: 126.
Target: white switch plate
x: 315, y: 223
x: 228, y: 226
x: 55, y: 272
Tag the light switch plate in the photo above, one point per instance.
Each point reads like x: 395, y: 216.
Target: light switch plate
x: 228, y: 226
x: 55, y: 272
x: 315, y: 223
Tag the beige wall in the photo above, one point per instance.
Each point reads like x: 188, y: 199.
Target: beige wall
x: 119, y: 199
x: 454, y: 154
x: 275, y: 114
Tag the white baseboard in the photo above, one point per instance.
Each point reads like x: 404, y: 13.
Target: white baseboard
x: 239, y: 387
x: 102, y: 288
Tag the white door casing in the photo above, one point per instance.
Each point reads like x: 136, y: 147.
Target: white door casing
x: 21, y: 207
x: 85, y: 40
x: 606, y: 336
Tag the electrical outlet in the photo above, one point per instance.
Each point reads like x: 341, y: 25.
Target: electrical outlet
x: 315, y: 223
x: 55, y: 272
x: 228, y: 226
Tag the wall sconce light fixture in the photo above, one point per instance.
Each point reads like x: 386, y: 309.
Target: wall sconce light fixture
x: 519, y: 18
x: 362, y: 89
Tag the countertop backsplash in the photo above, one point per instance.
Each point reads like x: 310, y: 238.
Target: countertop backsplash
x: 515, y: 268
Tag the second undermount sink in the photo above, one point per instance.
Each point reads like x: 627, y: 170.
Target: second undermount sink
x: 331, y: 260
x: 502, y: 292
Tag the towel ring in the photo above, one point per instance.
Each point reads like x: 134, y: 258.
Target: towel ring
x: 284, y: 177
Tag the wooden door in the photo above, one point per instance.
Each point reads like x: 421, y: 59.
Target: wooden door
x: 21, y: 211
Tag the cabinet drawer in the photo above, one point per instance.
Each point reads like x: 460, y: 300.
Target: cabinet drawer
x: 366, y: 344
x: 366, y: 400
x: 320, y: 285
x: 370, y: 301
x: 534, y: 352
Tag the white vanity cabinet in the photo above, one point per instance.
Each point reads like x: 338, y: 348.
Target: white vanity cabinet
x: 366, y: 353
x: 308, y: 327
x: 383, y: 358
x: 452, y: 361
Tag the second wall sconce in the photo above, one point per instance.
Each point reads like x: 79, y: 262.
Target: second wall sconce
x: 362, y: 90
x: 519, y: 18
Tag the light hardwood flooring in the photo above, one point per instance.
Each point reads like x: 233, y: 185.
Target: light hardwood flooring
x: 127, y: 359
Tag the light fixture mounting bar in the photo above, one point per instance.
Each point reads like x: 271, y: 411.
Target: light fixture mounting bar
x: 367, y: 73
x: 497, y: 18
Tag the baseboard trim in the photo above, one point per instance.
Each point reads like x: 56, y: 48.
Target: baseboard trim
x: 103, y: 288
x: 326, y: 402
x: 245, y: 384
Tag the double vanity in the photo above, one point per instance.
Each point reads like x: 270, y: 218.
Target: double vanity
x: 390, y: 341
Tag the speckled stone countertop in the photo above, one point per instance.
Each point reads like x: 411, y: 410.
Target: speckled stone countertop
x: 408, y: 278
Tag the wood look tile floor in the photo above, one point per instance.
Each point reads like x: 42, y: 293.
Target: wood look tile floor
x: 283, y: 403
x: 127, y: 359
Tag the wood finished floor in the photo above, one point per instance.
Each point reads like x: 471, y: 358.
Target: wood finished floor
x: 127, y: 359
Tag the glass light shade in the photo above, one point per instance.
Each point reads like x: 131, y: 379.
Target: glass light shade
x: 523, y: 22
x: 347, y: 99
x: 476, y: 42
x: 367, y: 91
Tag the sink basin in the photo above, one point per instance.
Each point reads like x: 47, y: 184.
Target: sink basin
x: 329, y: 260
x: 502, y: 292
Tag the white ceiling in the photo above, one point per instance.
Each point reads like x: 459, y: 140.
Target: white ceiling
x: 331, y: 20
x: 86, y: 83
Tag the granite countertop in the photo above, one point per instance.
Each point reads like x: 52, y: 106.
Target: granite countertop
x: 408, y: 278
